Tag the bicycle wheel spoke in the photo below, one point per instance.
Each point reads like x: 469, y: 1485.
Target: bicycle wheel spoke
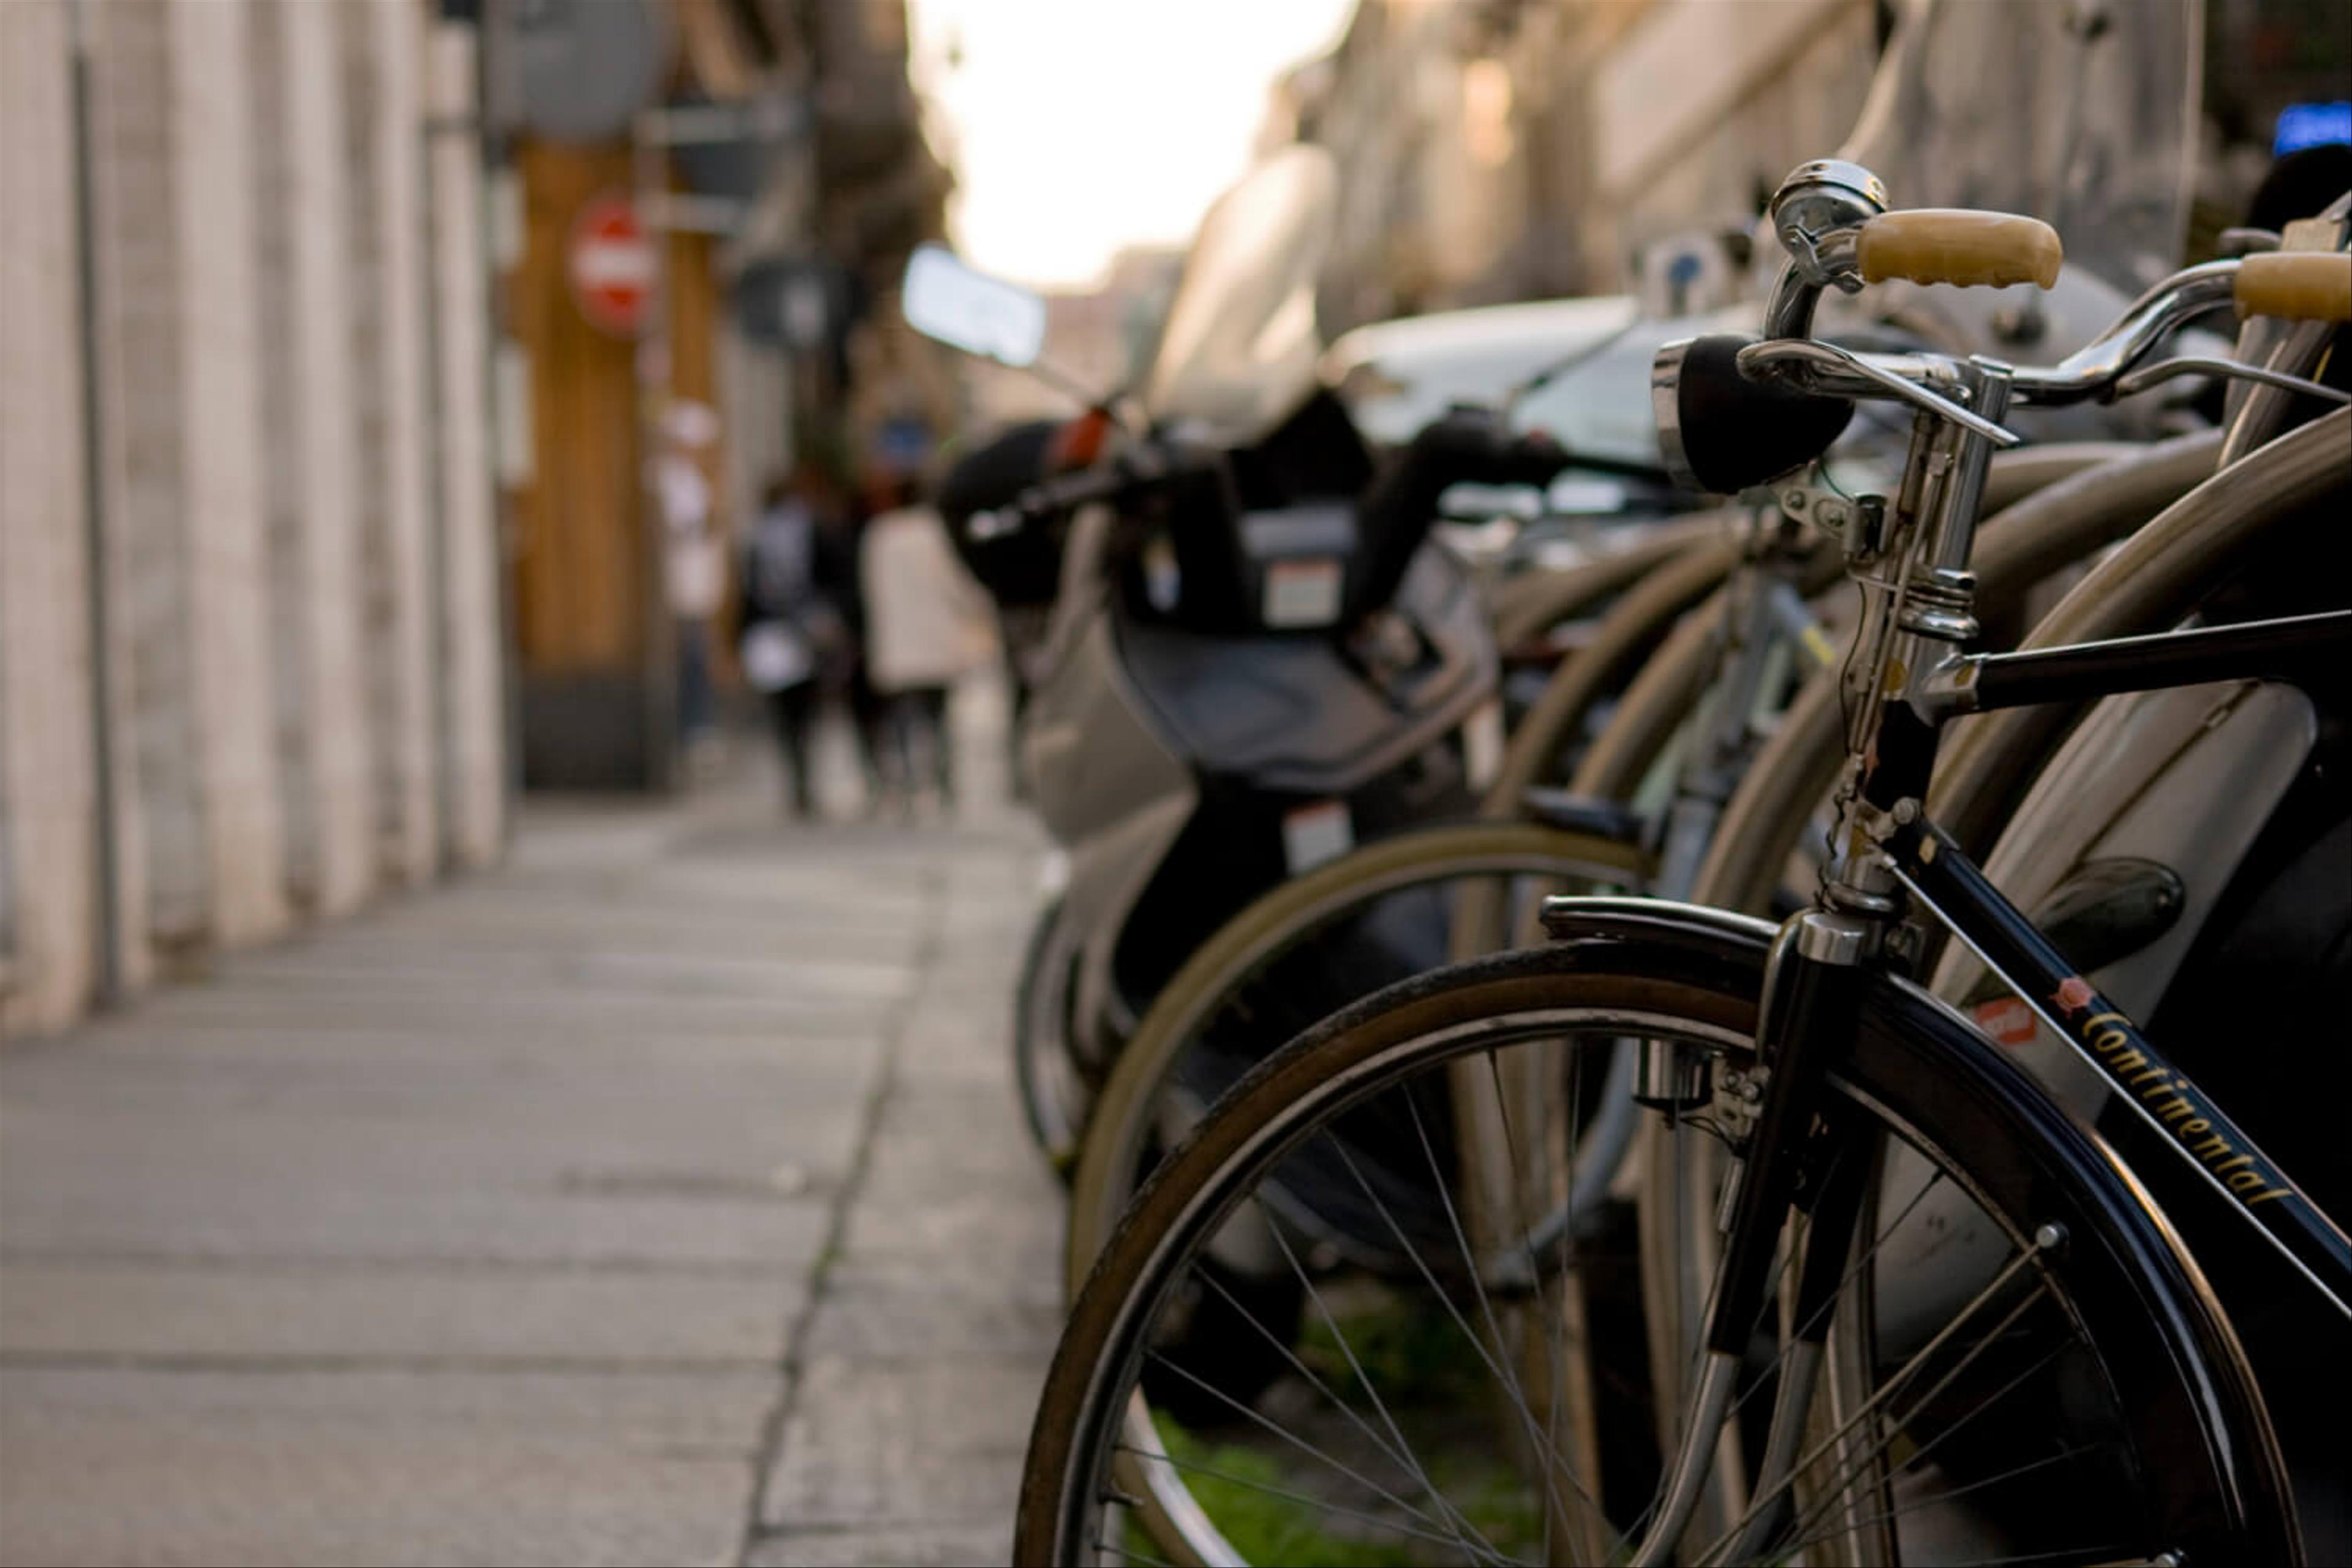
x: 1190, y: 1467
x: 1830, y: 1493
x: 1886, y: 1390
x: 1985, y: 1389
x: 1829, y: 1444
x: 1402, y: 1455
x: 2101, y: 1554
x: 1295, y: 1441
x: 1854, y: 1467
x: 1545, y: 1456
x: 1821, y: 1313
x: 1793, y: 1545
x: 1556, y: 1342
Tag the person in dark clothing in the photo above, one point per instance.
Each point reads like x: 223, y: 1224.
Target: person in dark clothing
x: 798, y: 586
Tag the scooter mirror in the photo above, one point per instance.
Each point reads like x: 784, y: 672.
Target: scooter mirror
x: 945, y: 299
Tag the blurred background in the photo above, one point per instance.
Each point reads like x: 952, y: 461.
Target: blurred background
x: 390, y: 385
x: 507, y: 1057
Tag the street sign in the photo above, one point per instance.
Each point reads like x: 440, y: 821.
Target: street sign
x: 612, y: 265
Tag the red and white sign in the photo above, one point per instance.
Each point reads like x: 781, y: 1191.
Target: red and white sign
x: 2008, y: 1020
x: 612, y: 265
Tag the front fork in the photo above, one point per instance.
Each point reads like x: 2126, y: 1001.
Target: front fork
x: 1811, y: 1012
x: 1812, y: 1008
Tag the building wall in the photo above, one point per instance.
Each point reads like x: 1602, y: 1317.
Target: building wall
x: 216, y: 497
x: 265, y: 606
x: 330, y: 780
x: 381, y: 44
x: 1521, y: 149
x: 49, y: 890
x: 471, y: 732
x: 581, y: 588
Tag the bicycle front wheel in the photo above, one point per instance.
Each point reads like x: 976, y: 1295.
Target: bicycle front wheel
x: 1448, y: 1401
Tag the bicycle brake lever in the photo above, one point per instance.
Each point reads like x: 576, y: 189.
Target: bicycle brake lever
x: 1792, y: 358
x: 2140, y: 380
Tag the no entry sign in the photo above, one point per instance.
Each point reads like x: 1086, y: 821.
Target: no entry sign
x: 612, y: 265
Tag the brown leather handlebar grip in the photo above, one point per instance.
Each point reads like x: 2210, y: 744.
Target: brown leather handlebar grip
x: 2296, y: 285
x: 1953, y: 244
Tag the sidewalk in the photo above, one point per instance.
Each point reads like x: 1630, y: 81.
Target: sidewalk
x: 660, y: 1197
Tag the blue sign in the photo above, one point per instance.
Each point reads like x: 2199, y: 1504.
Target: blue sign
x: 2302, y: 125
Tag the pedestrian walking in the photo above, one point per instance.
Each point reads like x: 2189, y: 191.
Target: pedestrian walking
x: 926, y: 624
x: 797, y: 641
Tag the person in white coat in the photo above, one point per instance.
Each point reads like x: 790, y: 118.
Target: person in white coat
x: 927, y: 625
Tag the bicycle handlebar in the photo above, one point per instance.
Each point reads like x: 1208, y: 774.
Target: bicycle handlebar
x: 1463, y: 446
x: 1832, y: 219
x: 2090, y: 371
x: 1954, y: 245
x: 2296, y: 285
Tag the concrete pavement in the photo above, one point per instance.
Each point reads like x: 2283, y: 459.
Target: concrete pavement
x: 659, y: 1197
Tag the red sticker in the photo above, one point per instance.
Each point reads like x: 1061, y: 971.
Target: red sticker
x: 2006, y: 1019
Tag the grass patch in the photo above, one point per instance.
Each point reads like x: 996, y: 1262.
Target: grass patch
x: 1241, y: 1487
x: 1412, y: 1357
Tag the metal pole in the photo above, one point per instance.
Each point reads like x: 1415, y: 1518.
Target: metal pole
x: 107, y: 869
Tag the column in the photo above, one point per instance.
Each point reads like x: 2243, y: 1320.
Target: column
x: 47, y: 799
x: 472, y: 699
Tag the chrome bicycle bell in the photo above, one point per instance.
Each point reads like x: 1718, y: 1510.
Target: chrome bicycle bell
x: 1818, y: 200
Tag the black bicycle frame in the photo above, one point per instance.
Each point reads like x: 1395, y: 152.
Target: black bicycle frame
x: 1983, y: 681
x: 1966, y: 901
x: 1961, y: 896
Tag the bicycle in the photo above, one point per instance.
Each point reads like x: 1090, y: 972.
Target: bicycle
x: 2093, y: 1337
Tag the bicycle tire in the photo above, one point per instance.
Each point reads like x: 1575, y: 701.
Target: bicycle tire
x: 1040, y: 992
x: 1113, y: 1145
x: 2167, y: 1357
x: 2148, y: 586
x: 1524, y: 606
x: 1640, y: 619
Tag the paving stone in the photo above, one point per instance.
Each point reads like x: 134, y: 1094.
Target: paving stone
x: 508, y: 1137
x: 64, y: 1310
x: 688, y: 1413
x: 113, y: 1496
x: 113, y: 1217
x: 904, y: 1443
x: 439, y: 1024
x: 921, y: 1308
x: 941, y: 1546
x: 472, y: 1230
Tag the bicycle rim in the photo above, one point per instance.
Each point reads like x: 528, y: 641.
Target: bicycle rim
x: 2054, y: 1387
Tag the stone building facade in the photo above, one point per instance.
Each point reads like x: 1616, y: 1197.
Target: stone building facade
x: 249, y: 638
x: 1502, y: 150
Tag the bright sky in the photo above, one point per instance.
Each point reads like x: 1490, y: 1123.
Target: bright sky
x: 1082, y: 126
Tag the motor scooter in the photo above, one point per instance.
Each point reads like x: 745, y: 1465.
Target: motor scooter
x: 1255, y: 658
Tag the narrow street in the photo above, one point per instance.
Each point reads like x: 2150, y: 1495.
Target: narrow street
x: 658, y: 1196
